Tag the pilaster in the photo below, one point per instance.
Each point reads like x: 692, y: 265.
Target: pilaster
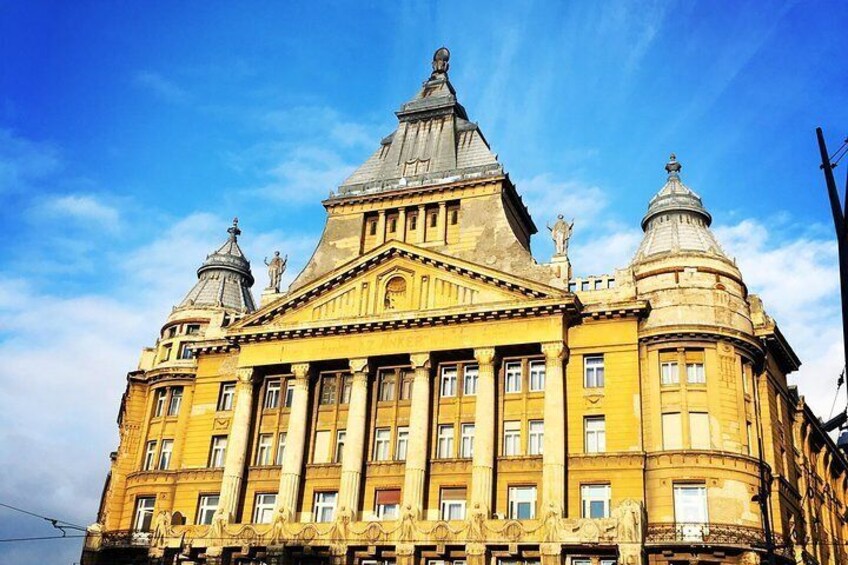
x: 420, y: 224
x: 553, y: 447
x: 483, y: 461
x: 354, y: 441
x: 293, y: 456
x: 419, y: 424
x: 381, y: 227
x: 237, y: 444
x: 442, y: 222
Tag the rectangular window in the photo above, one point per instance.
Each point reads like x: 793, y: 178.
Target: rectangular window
x: 536, y: 437
x: 263, y: 450
x: 186, y: 352
x: 225, y: 398
x: 206, y: 507
x: 328, y: 390
x: 325, y: 506
x: 749, y: 431
x: 272, y: 393
x: 522, y: 503
x: 149, y: 455
x: 281, y: 448
x: 172, y: 331
x: 512, y: 378
x: 165, y: 454
x: 387, y: 386
x: 699, y: 430
x: 406, y: 379
x: 402, y: 443
x: 690, y: 511
x: 289, y: 393
x: 453, y: 503
x: 382, y: 439
x: 263, y: 508
x: 470, y: 374
x: 166, y: 353
x: 159, y: 405
x: 413, y: 221
x: 593, y: 371
x: 341, y: 435
x: 672, y: 431
x: 537, y: 376
x: 467, y: 447
x: 347, y: 383
x: 595, y: 501
x: 596, y: 434
x: 322, y: 447
x: 218, y: 451
x: 387, y: 504
x: 448, y: 382
x: 434, y: 218
x: 668, y: 373
x: 176, y: 401
x: 192, y: 329
x: 445, y: 442
x: 512, y: 438
x: 695, y: 373
x: 143, y: 513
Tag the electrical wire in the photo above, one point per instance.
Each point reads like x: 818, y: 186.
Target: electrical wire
x: 9, y: 540
x: 60, y: 525
x: 839, y: 384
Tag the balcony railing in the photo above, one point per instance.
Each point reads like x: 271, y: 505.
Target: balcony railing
x: 705, y: 534
x: 126, y: 538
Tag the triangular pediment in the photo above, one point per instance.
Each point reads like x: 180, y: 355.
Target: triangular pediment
x: 397, y: 280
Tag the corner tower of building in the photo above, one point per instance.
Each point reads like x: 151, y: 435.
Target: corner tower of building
x: 434, y: 183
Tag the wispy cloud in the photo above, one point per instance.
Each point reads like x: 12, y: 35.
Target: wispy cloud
x: 23, y: 161
x: 162, y: 87
x: 83, y: 209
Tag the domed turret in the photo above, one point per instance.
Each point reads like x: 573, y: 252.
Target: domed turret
x: 224, y: 278
x: 676, y: 221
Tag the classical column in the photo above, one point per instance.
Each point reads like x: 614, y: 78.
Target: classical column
x: 295, y: 443
x: 483, y: 461
x: 420, y: 224
x: 419, y: 425
x: 443, y: 222
x: 400, y: 229
x: 237, y: 444
x: 553, y: 449
x: 354, y: 447
x: 381, y: 227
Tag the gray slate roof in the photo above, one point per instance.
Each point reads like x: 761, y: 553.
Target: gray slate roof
x: 224, y: 279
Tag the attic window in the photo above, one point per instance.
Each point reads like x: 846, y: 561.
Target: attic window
x: 372, y: 227
x: 454, y: 216
x: 392, y: 225
x: 433, y: 220
x: 413, y: 222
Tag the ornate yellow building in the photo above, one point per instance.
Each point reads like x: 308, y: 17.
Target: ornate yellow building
x: 426, y: 393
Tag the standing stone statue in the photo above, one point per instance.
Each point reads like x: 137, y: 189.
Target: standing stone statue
x: 276, y: 268
x: 561, y: 233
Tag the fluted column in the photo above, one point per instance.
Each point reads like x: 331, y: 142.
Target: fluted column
x: 484, y: 433
x: 290, y: 471
x: 419, y: 425
x: 553, y: 447
x: 237, y: 444
x: 354, y: 440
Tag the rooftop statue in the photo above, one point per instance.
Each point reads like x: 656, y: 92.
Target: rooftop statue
x: 276, y: 268
x: 561, y: 233
x: 440, y: 62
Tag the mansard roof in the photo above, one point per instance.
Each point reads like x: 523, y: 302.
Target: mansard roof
x: 434, y: 142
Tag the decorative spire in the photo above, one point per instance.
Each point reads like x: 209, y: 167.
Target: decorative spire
x: 234, y: 231
x: 440, y: 63
x: 673, y: 167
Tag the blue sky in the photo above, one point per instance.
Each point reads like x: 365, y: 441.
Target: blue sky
x: 131, y: 133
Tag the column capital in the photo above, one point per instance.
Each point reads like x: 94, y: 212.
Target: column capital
x: 485, y: 355
x: 420, y: 360
x: 358, y: 365
x: 245, y: 375
x: 554, y: 350
x: 300, y: 370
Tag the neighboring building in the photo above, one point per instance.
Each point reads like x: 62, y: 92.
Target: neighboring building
x: 426, y: 393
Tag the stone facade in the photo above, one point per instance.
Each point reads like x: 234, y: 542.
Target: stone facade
x: 426, y: 393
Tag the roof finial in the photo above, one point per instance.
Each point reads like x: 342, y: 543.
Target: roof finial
x: 440, y: 63
x: 673, y: 167
x: 234, y: 231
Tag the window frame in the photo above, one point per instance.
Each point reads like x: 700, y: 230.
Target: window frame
x: 214, y: 448
x: 281, y: 448
x: 512, y: 438
x: 166, y: 450
x: 175, y: 402
x: 537, y: 377
x: 273, y: 393
x: 149, y: 461
x: 319, y: 505
x: 470, y: 375
x: 594, y: 375
x: 586, y: 501
x: 204, y: 508
x: 466, y: 449
x: 594, y: 440
x: 226, y: 396
x: 535, y: 438
x: 382, y: 444
x: 266, y: 508
x: 143, y: 514
x: 446, y: 440
x: 160, y: 402
x: 512, y: 380
x: 401, y: 443
x: 264, y: 449
x: 448, y: 376
x: 514, y: 505
x: 446, y: 504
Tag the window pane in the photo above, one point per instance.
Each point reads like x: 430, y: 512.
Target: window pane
x: 537, y: 375
x: 512, y: 378
x: 672, y: 431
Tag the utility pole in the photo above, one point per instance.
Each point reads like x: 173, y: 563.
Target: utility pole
x: 840, y: 223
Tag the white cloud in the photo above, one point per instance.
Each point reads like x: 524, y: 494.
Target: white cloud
x: 83, y: 208
x: 23, y: 161
x: 546, y: 197
x: 160, y: 86
x: 798, y: 280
